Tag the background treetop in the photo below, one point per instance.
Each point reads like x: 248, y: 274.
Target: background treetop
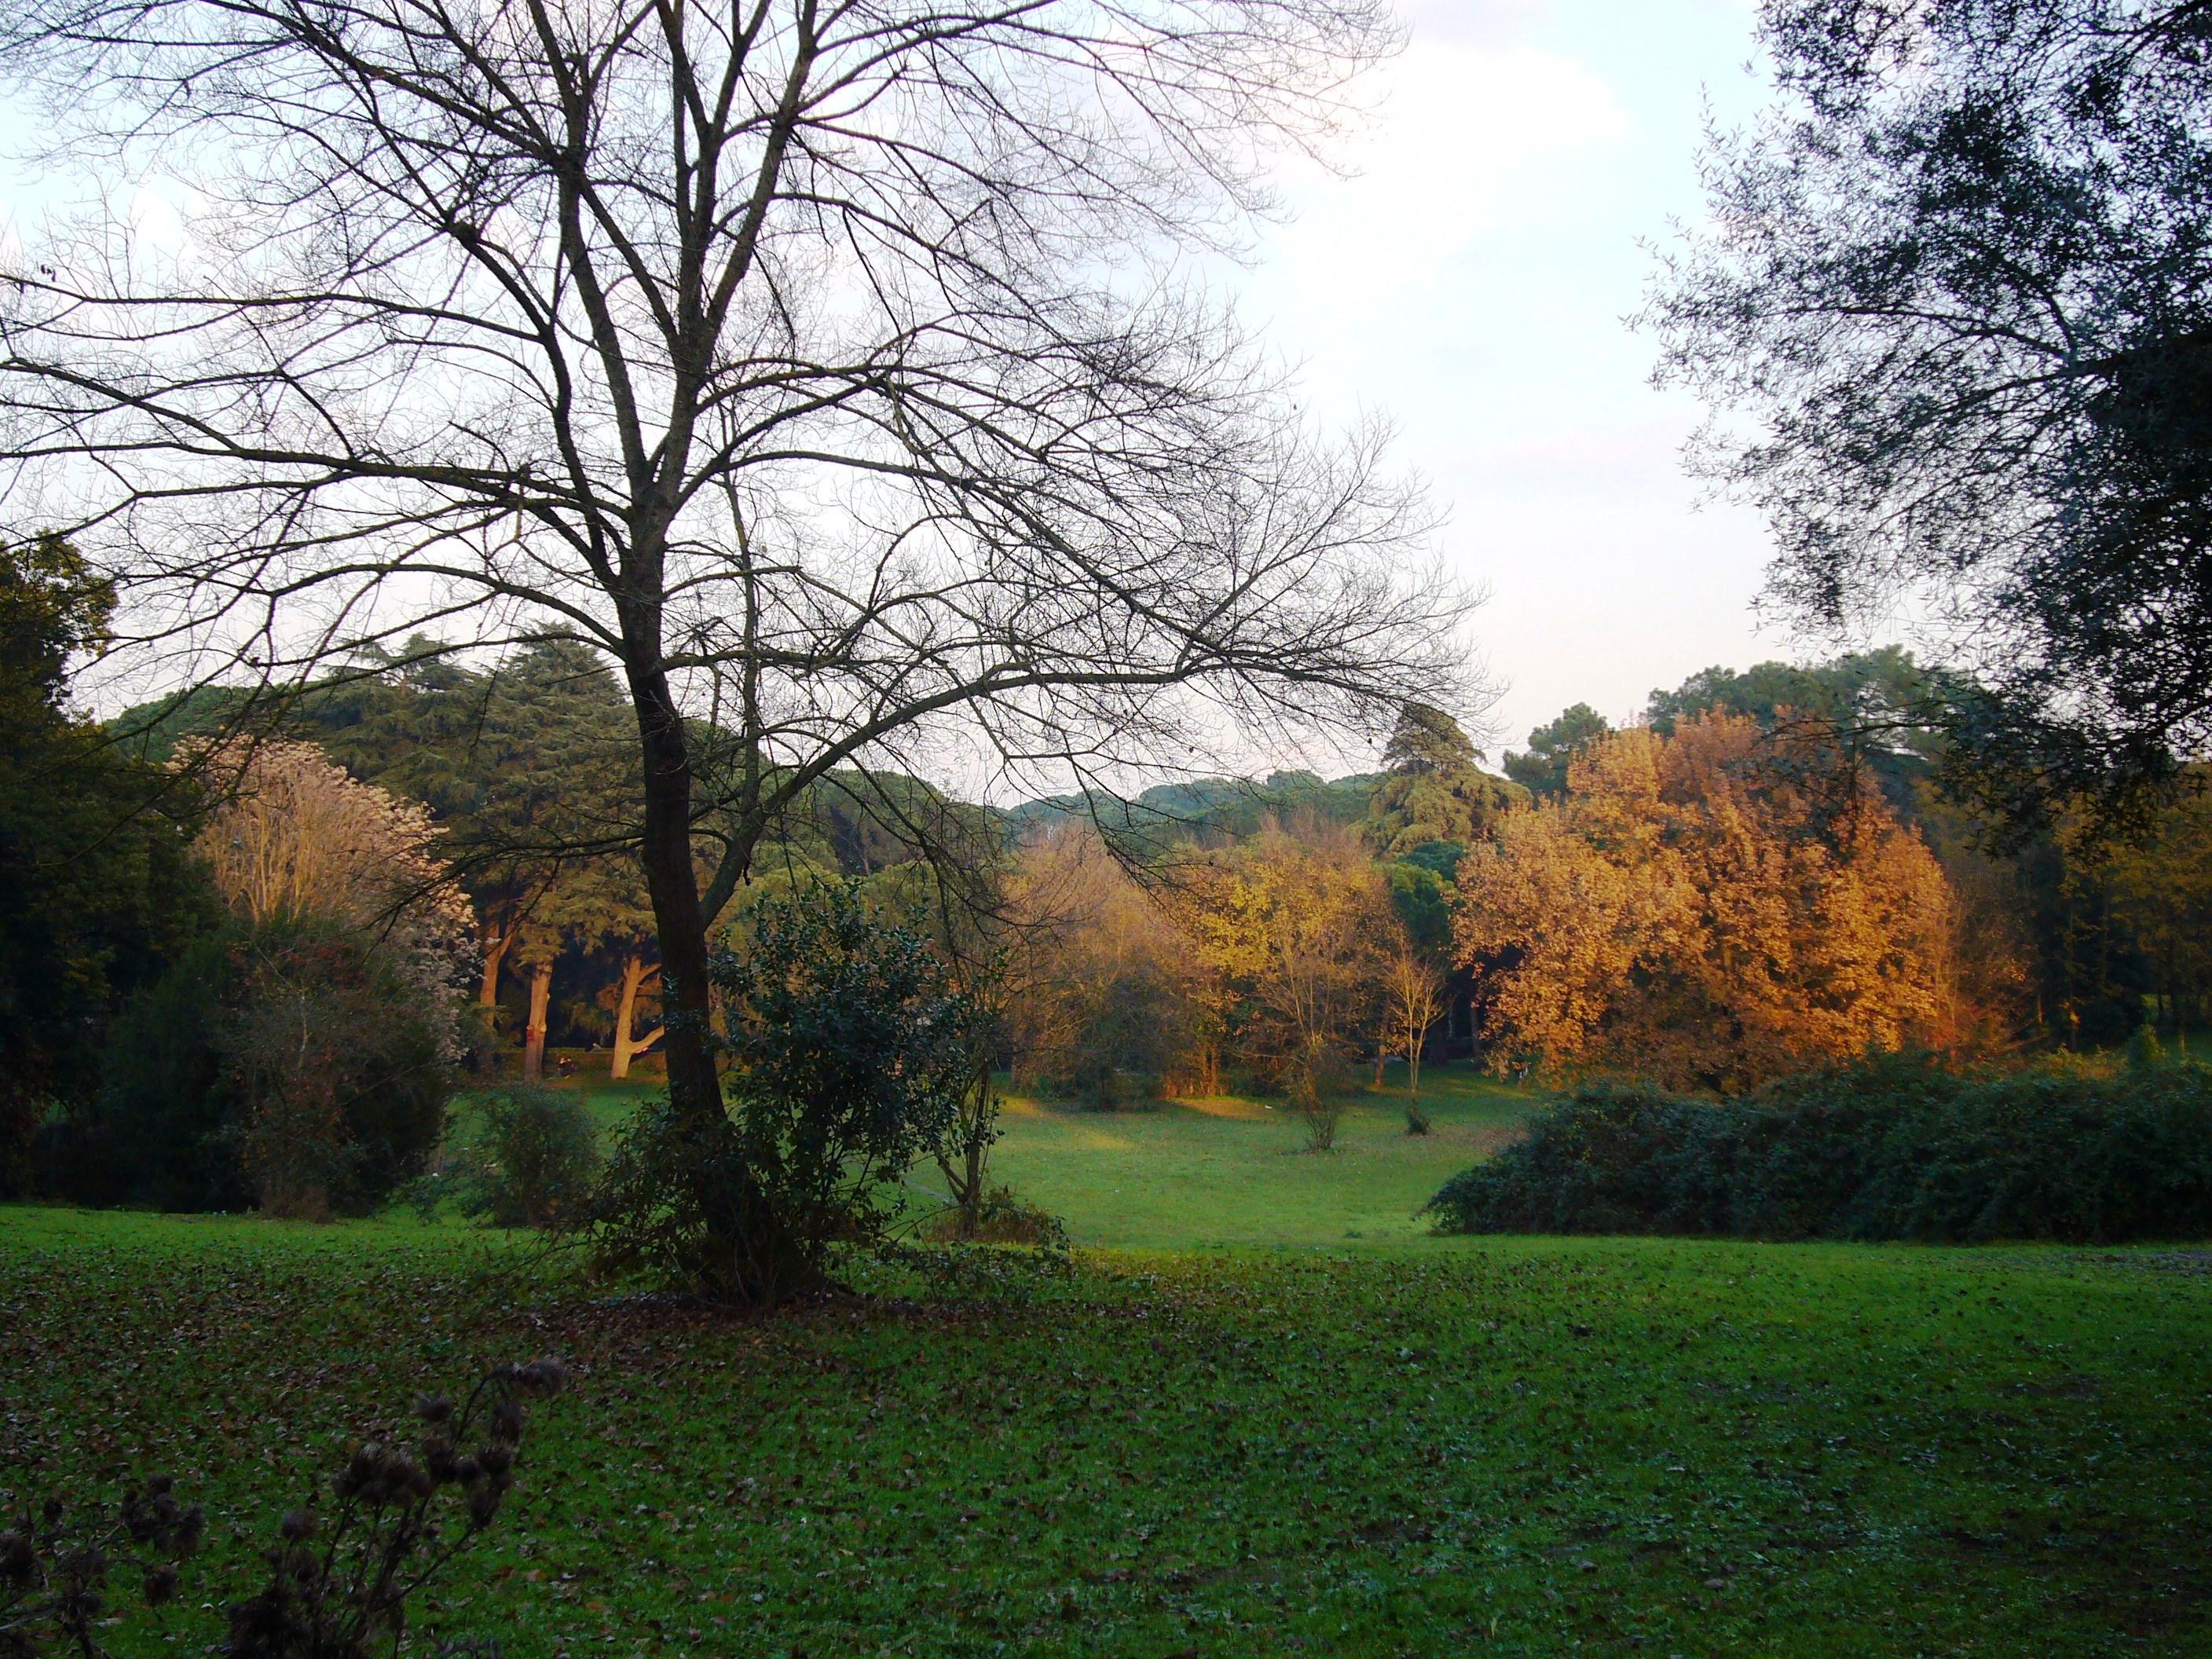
x: 1435, y: 792
x: 1553, y: 748
x: 1951, y: 313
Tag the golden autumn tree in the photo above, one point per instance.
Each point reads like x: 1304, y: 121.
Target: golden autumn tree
x: 1710, y: 911
x: 337, y: 1032
x: 1101, y: 988
x: 296, y: 836
x: 1293, y: 933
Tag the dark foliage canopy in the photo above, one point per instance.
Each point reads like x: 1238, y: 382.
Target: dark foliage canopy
x: 1553, y: 748
x: 1952, y: 315
x: 850, y: 1047
x: 261, y: 1061
x: 95, y: 890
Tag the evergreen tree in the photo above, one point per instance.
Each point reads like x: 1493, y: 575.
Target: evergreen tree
x: 96, y: 890
x: 1552, y: 748
x: 1435, y: 791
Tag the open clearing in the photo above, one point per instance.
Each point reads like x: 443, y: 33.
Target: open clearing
x: 1304, y: 1442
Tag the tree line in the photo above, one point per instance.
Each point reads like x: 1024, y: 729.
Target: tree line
x: 1762, y: 872
x: 1765, y: 872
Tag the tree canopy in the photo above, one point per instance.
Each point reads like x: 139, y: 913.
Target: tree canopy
x: 1951, y: 310
x: 96, y: 890
x: 1435, y: 791
x: 1688, y: 911
x: 1552, y: 748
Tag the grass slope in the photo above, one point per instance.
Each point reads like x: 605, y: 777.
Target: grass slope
x: 1234, y: 1174
x: 1408, y: 1448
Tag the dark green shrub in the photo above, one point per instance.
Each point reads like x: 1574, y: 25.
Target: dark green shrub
x: 163, y: 1129
x: 532, y: 1161
x: 848, y: 1053
x: 1104, y: 1088
x: 1891, y: 1148
x: 339, y: 1069
x: 294, y: 1068
x: 98, y: 893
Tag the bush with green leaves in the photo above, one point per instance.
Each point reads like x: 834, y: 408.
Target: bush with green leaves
x: 160, y: 1129
x: 1891, y: 1148
x: 998, y: 1217
x: 290, y: 1066
x: 98, y: 892
x: 848, y: 1049
x: 532, y: 1162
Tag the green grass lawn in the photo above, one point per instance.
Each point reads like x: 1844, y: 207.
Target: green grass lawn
x: 1238, y: 1431
x: 1234, y: 1174
x: 1223, y: 1174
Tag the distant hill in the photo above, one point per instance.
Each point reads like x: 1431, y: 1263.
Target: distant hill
x: 1207, y: 809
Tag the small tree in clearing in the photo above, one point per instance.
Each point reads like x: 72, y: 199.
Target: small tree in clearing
x: 1415, y: 983
x: 1290, y: 927
x: 343, y: 1011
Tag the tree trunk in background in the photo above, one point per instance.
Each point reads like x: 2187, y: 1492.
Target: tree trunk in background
x: 495, y: 941
x: 533, y: 1035
x: 634, y: 974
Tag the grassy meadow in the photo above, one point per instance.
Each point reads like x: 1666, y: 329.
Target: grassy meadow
x: 1265, y: 1413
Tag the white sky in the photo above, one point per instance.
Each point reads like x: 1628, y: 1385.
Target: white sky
x: 1470, y: 283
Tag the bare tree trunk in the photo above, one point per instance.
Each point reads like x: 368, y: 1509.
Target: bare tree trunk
x: 968, y: 1166
x: 533, y: 1034
x: 634, y: 974
x: 695, y: 1082
x: 496, y: 940
x: 748, y: 1252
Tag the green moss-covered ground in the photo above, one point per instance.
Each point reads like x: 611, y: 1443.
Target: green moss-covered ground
x: 1239, y: 1430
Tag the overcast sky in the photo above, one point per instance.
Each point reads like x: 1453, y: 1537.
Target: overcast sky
x: 1470, y: 283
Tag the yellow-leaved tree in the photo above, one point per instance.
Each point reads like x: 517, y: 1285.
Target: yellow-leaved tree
x: 1710, y: 909
x: 1293, y: 932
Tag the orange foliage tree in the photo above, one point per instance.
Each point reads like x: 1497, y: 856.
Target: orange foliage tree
x: 1710, y: 910
x: 1101, y: 995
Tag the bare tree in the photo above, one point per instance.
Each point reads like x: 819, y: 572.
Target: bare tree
x: 1414, y: 986
x: 825, y: 364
